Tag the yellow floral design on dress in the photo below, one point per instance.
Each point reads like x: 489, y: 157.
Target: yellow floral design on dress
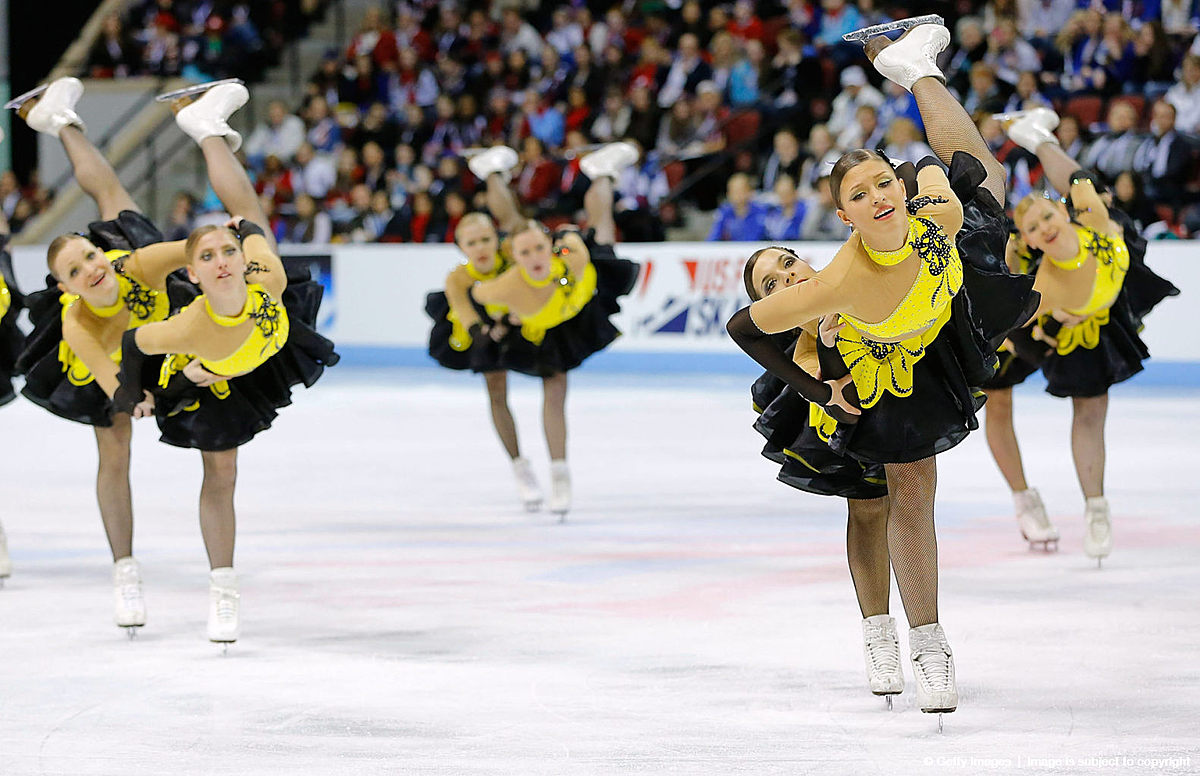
x: 879, y: 367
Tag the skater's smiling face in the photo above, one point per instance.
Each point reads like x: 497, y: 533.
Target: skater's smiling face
x: 477, y: 239
x: 871, y: 199
x: 82, y: 269
x: 774, y: 269
x: 216, y: 262
x: 1044, y: 225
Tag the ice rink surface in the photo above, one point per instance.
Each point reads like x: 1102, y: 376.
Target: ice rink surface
x: 402, y: 615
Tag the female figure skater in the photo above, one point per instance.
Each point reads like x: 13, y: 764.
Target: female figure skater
x: 112, y: 279
x: 559, y: 292
x: 922, y: 302
x: 462, y: 336
x: 1096, y: 289
x: 11, y: 342
x: 232, y: 355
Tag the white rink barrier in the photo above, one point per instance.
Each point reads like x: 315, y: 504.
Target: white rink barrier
x: 674, y: 320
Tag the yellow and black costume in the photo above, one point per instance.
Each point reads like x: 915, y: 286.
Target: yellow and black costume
x: 57, y: 377
x: 264, y: 351
x: 11, y: 339
x: 918, y: 393
x: 456, y: 340
x: 564, y: 318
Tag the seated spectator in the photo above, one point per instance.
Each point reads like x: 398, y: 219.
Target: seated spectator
x: 516, y: 34
x: 323, y: 131
x: 612, y: 123
x: 565, y: 34
x: 793, y: 80
x: 447, y: 177
x: 745, y: 26
x: 785, y: 220
x: 1178, y: 18
x: 1185, y: 96
x: 275, y: 223
x: 275, y: 180
x: 311, y: 225
x: 984, y: 94
x: 640, y: 191
x: 905, y: 142
x: 412, y: 224
x: 1115, y: 54
x: 543, y: 120
x: 1078, y: 43
x: 1114, y: 150
x: 408, y: 83
x: 1040, y: 20
x: 677, y: 136
x: 837, y: 18
x: 539, y: 177
x: 592, y: 78
x: 822, y: 154
x: 821, y: 221
x: 579, y: 112
x: 970, y: 46
x: 1153, y: 67
x: 280, y: 136
x: 1021, y: 168
x: 785, y: 159
x: 160, y: 49
x: 711, y: 116
x: 687, y: 70
x: 865, y: 132
x: 1129, y: 197
x: 1009, y: 55
x: 182, y: 218
x: 10, y: 193
x: 374, y: 39
x: 740, y: 217
x: 360, y: 86
x: 415, y: 131
x: 374, y: 167
x: 723, y: 53
x: 898, y: 102
x: 410, y: 35
x: 376, y: 126
x: 1069, y: 136
x: 690, y: 22
x: 645, y: 118
x: 856, y: 92
x: 454, y: 207
x: 1164, y: 158
x: 115, y: 53
x: 746, y: 75
x: 1026, y: 96
x: 446, y: 135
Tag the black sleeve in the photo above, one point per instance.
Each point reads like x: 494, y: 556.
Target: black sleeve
x: 760, y: 347
x: 247, y: 228
x: 129, y: 392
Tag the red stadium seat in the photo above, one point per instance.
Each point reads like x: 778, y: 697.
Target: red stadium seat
x: 742, y: 127
x: 1087, y: 109
x: 674, y: 172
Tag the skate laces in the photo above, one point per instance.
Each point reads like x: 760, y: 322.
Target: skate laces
x: 934, y: 663
x: 882, y: 649
x: 226, y: 604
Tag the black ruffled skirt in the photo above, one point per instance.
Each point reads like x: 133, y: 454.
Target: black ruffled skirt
x: 254, y: 399
x: 513, y: 352
x: 46, y: 382
x: 12, y: 341
x: 806, y: 461
x: 568, y: 344
x: 941, y: 410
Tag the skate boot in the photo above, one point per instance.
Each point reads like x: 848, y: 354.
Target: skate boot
x: 223, y: 606
x: 208, y: 115
x: 527, y: 484
x: 881, y: 648
x: 129, y: 608
x: 560, y: 489
x: 5, y: 561
x: 1030, y: 128
x: 910, y: 57
x: 933, y: 670
x: 1097, y: 538
x: 609, y: 160
x: 497, y: 159
x: 1035, y: 524
x: 55, y: 107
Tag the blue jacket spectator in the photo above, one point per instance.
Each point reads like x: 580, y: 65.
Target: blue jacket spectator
x: 740, y: 218
x: 785, y: 221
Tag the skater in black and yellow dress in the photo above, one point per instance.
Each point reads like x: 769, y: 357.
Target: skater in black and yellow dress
x: 921, y: 300
x: 1096, y: 289
x: 11, y: 342
x: 468, y: 336
x: 232, y: 357
x: 555, y: 299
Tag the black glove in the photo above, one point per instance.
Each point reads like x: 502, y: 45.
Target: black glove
x: 129, y: 392
x: 246, y: 228
x: 759, y: 346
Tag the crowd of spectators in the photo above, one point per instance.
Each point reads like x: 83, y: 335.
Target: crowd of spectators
x: 738, y: 107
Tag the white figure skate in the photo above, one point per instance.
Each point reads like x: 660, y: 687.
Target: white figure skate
x: 129, y: 607
x: 1035, y: 524
x: 223, y: 625
x: 527, y: 484
x: 881, y: 649
x: 933, y: 670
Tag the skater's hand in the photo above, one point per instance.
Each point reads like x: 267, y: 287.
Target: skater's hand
x: 1040, y: 335
x: 1067, y: 319
x: 841, y: 408
x: 497, y: 331
x: 144, y: 408
x: 199, y: 375
x: 828, y: 329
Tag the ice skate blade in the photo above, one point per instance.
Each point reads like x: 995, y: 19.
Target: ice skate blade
x: 21, y: 99
x: 131, y: 631
x: 866, y: 33
x: 533, y: 506
x: 195, y: 89
x: 562, y: 516
x: 1043, y: 545
x: 575, y: 153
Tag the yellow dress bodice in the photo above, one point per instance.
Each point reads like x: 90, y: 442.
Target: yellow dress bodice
x: 878, y: 367
x: 5, y: 297
x: 460, y: 337
x: 1112, y: 263
x: 145, y: 305
x: 571, y: 294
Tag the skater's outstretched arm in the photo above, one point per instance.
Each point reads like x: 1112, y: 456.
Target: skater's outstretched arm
x: 152, y: 263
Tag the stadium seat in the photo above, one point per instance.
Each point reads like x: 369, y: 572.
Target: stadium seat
x: 741, y: 128
x: 1086, y: 108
